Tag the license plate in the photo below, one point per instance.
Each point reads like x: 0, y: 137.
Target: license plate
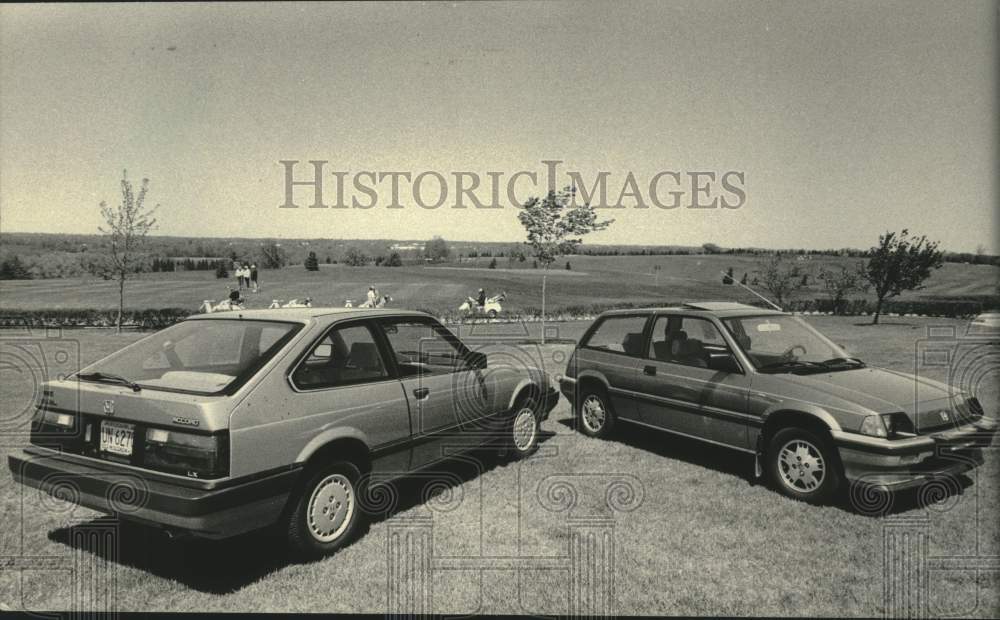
x: 116, y: 438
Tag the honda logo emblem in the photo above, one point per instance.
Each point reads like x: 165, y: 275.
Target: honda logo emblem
x: 109, y: 407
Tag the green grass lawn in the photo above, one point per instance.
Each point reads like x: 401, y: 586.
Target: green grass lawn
x: 593, y: 279
x: 704, y: 540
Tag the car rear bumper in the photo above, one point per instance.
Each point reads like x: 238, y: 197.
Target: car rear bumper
x: 235, y: 508
x: 904, y: 463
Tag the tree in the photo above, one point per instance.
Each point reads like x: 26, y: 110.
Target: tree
x: 554, y: 228
x: 437, y: 249
x: 312, y: 263
x: 220, y: 269
x: 839, y: 282
x: 493, y: 263
x: 743, y: 280
x: 728, y: 277
x: 781, y: 280
x: 13, y: 269
x: 568, y: 267
x: 394, y: 260
x: 900, y: 263
x: 353, y: 257
x: 711, y: 248
x: 273, y: 256
x: 126, y: 227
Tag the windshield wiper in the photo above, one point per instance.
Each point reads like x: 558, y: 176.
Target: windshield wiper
x: 104, y: 377
x: 843, y: 362
x: 790, y: 365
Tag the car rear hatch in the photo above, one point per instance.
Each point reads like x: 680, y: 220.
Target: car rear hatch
x: 177, y: 433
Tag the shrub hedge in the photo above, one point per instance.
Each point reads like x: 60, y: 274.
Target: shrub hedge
x: 152, y: 318
x: 158, y: 318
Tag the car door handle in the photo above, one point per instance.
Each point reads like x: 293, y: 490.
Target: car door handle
x: 649, y: 370
x: 421, y: 393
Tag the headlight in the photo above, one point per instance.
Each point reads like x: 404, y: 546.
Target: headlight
x: 875, y: 426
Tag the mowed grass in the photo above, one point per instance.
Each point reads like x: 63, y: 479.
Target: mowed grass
x: 592, y: 280
x: 705, y: 538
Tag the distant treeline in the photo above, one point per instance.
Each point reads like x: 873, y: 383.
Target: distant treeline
x: 41, y: 255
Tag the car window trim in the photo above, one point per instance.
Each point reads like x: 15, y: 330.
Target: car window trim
x: 601, y: 320
x: 364, y: 322
x: 464, y: 351
x: 724, y: 332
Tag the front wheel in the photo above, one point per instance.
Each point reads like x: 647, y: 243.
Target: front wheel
x: 803, y: 465
x: 594, y: 414
x: 326, y: 514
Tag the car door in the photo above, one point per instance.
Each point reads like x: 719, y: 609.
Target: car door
x: 345, y: 381
x: 691, y: 383
x: 614, y: 349
x: 449, y: 400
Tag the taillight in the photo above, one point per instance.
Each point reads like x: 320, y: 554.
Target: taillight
x: 189, y: 454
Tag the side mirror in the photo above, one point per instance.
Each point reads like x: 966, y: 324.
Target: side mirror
x: 476, y: 360
x: 724, y: 362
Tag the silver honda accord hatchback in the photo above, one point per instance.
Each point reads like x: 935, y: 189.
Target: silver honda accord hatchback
x: 229, y: 422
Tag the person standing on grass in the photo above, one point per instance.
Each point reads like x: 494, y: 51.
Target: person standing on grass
x: 372, y: 296
x: 253, y: 278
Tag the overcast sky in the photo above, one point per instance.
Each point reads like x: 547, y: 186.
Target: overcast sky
x: 847, y: 118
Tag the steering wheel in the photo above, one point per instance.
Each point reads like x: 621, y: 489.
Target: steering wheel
x: 790, y: 352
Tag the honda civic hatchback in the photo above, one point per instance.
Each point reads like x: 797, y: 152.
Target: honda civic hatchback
x: 229, y: 422
x: 767, y: 383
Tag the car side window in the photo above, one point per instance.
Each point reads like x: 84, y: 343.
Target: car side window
x: 344, y: 356
x: 423, y: 347
x: 686, y: 340
x: 619, y: 334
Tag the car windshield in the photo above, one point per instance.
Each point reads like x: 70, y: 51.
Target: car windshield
x: 781, y: 343
x: 201, y: 356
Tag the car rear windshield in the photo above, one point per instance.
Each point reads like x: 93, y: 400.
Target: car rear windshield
x: 200, y: 356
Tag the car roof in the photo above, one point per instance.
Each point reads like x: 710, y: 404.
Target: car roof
x: 306, y: 314
x: 720, y: 309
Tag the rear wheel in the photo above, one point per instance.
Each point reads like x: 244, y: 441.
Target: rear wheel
x: 595, y: 417
x: 523, y: 429
x: 492, y: 314
x: 326, y: 514
x: 803, y: 465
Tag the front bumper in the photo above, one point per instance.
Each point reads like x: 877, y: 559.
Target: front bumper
x: 230, y: 509
x: 904, y: 463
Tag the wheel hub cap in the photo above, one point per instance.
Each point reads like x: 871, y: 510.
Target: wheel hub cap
x: 524, y: 429
x: 331, y: 507
x: 593, y: 413
x: 801, y: 466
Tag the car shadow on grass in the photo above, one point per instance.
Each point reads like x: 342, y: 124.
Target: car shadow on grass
x: 873, y: 503
x: 225, y: 566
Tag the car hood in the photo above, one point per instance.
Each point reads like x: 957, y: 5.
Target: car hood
x: 875, y: 390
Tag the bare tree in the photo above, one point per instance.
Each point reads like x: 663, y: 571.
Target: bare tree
x: 273, y: 256
x: 126, y: 227
x: 839, y: 282
x: 780, y: 280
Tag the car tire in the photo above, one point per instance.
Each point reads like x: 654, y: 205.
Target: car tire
x: 803, y: 465
x: 492, y: 314
x: 594, y: 415
x: 326, y: 514
x: 522, y: 430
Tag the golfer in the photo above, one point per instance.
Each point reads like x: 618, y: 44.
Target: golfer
x: 253, y: 278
